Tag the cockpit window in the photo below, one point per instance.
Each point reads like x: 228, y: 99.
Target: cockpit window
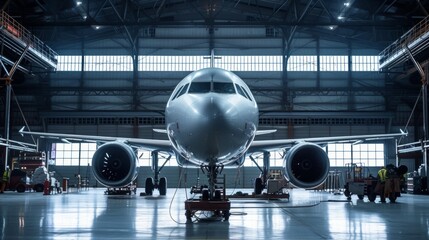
x: 223, y: 87
x: 240, y: 91
x: 247, y: 94
x: 199, y: 87
x: 183, y: 90
x: 177, y: 93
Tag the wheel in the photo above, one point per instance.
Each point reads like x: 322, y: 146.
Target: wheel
x: 258, y: 186
x: 20, y: 188
x: 347, y: 193
x: 360, y: 197
x: 188, y: 215
x: 372, y: 196
x: 149, y: 186
x: 205, y: 195
x: 217, y: 195
x: 162, y: 186
x: 226, y: 215
x: 38, y: 187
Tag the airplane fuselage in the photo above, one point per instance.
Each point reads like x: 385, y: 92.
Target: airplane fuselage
x: 211, y: 117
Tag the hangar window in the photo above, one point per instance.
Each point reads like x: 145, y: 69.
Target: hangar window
x: 108, y: 63
x: 302, y: 63
x: 365, y: 63
x: 370, y: 155
x: 231, y: 63
x: 73, y: 154
x: 145, y: 159
x: 334, y: 63
x: 69, y: 63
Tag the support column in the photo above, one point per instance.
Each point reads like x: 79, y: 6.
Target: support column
x: 425, y: 119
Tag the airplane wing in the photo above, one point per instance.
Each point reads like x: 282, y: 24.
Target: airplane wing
x: 16, y: 145
x: 148, y: 144
x: 267, y: 145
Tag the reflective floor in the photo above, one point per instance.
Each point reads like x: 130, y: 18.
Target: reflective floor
x: 308, y: 215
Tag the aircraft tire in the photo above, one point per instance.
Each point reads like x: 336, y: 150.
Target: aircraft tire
x: 162, y: 186
x: 258, y: 186
x: 149, y: 186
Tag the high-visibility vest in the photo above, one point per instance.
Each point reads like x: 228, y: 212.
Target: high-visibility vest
x: 6, y: 175
x: 382, y: 175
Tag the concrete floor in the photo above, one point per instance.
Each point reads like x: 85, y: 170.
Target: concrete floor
x: 308, y: 215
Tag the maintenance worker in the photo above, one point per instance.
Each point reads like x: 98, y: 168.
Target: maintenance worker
x: 5, y: 179
x: 381, y: 183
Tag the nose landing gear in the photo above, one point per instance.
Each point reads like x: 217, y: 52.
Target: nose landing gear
x: 212, y: 199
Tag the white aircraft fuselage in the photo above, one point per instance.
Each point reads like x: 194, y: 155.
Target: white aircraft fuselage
x: 211, y: 117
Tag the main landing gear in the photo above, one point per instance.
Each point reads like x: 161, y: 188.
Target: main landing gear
x: 213, y: 199
x: 156, y: 183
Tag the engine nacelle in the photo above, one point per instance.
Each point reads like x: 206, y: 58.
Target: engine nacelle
x: 115, y: 164
x: 306, y: 165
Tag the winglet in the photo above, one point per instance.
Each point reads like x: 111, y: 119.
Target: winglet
x: 21, y: 131
x: 262, y: 132
x: 160, y: 130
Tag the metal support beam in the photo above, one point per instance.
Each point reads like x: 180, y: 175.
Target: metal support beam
x: 8, y: 82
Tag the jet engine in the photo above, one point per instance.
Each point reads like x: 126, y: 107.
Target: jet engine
x: 115, y: 164
x: 306, y: 165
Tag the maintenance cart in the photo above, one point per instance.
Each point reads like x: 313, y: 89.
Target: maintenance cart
x: 357, y: 184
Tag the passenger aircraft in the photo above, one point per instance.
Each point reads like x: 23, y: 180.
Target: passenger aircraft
x: 211, y: 123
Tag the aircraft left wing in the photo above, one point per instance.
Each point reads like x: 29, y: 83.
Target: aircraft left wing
x: 148, y: 144
x: 267, y: 145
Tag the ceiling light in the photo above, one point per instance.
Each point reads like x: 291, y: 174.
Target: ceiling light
x: 78, y: 3
x: 347, y: 4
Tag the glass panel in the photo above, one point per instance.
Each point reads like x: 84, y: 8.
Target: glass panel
x: 223, y: 87
x: 199, y: 87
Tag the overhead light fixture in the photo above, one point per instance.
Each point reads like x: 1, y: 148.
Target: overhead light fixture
x: 347, y: 4
x: 332, y: 27
x: 84, y: 17
x: 340, y: 18
x: 97, y: 27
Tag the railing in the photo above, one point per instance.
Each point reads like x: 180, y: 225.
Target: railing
x: 416, y: 39
x: 413, y: 147
x: 12, y: 29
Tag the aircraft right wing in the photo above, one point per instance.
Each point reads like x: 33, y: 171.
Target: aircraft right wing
x: 267, y: 145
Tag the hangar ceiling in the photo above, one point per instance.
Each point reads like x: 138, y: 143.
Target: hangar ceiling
x: 376, y: 23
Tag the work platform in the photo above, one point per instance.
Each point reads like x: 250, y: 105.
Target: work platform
x: 16, y: 38
x: 416, y: 40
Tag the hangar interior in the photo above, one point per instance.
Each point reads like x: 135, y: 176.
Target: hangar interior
x: 313, y: 66
x: 316, y: 68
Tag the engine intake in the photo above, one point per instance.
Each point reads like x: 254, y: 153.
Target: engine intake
x: 306, y: 165
x: 115, y: 164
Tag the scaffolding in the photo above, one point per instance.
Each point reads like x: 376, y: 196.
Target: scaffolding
x: 416, y: 40
x: 16, y: 37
